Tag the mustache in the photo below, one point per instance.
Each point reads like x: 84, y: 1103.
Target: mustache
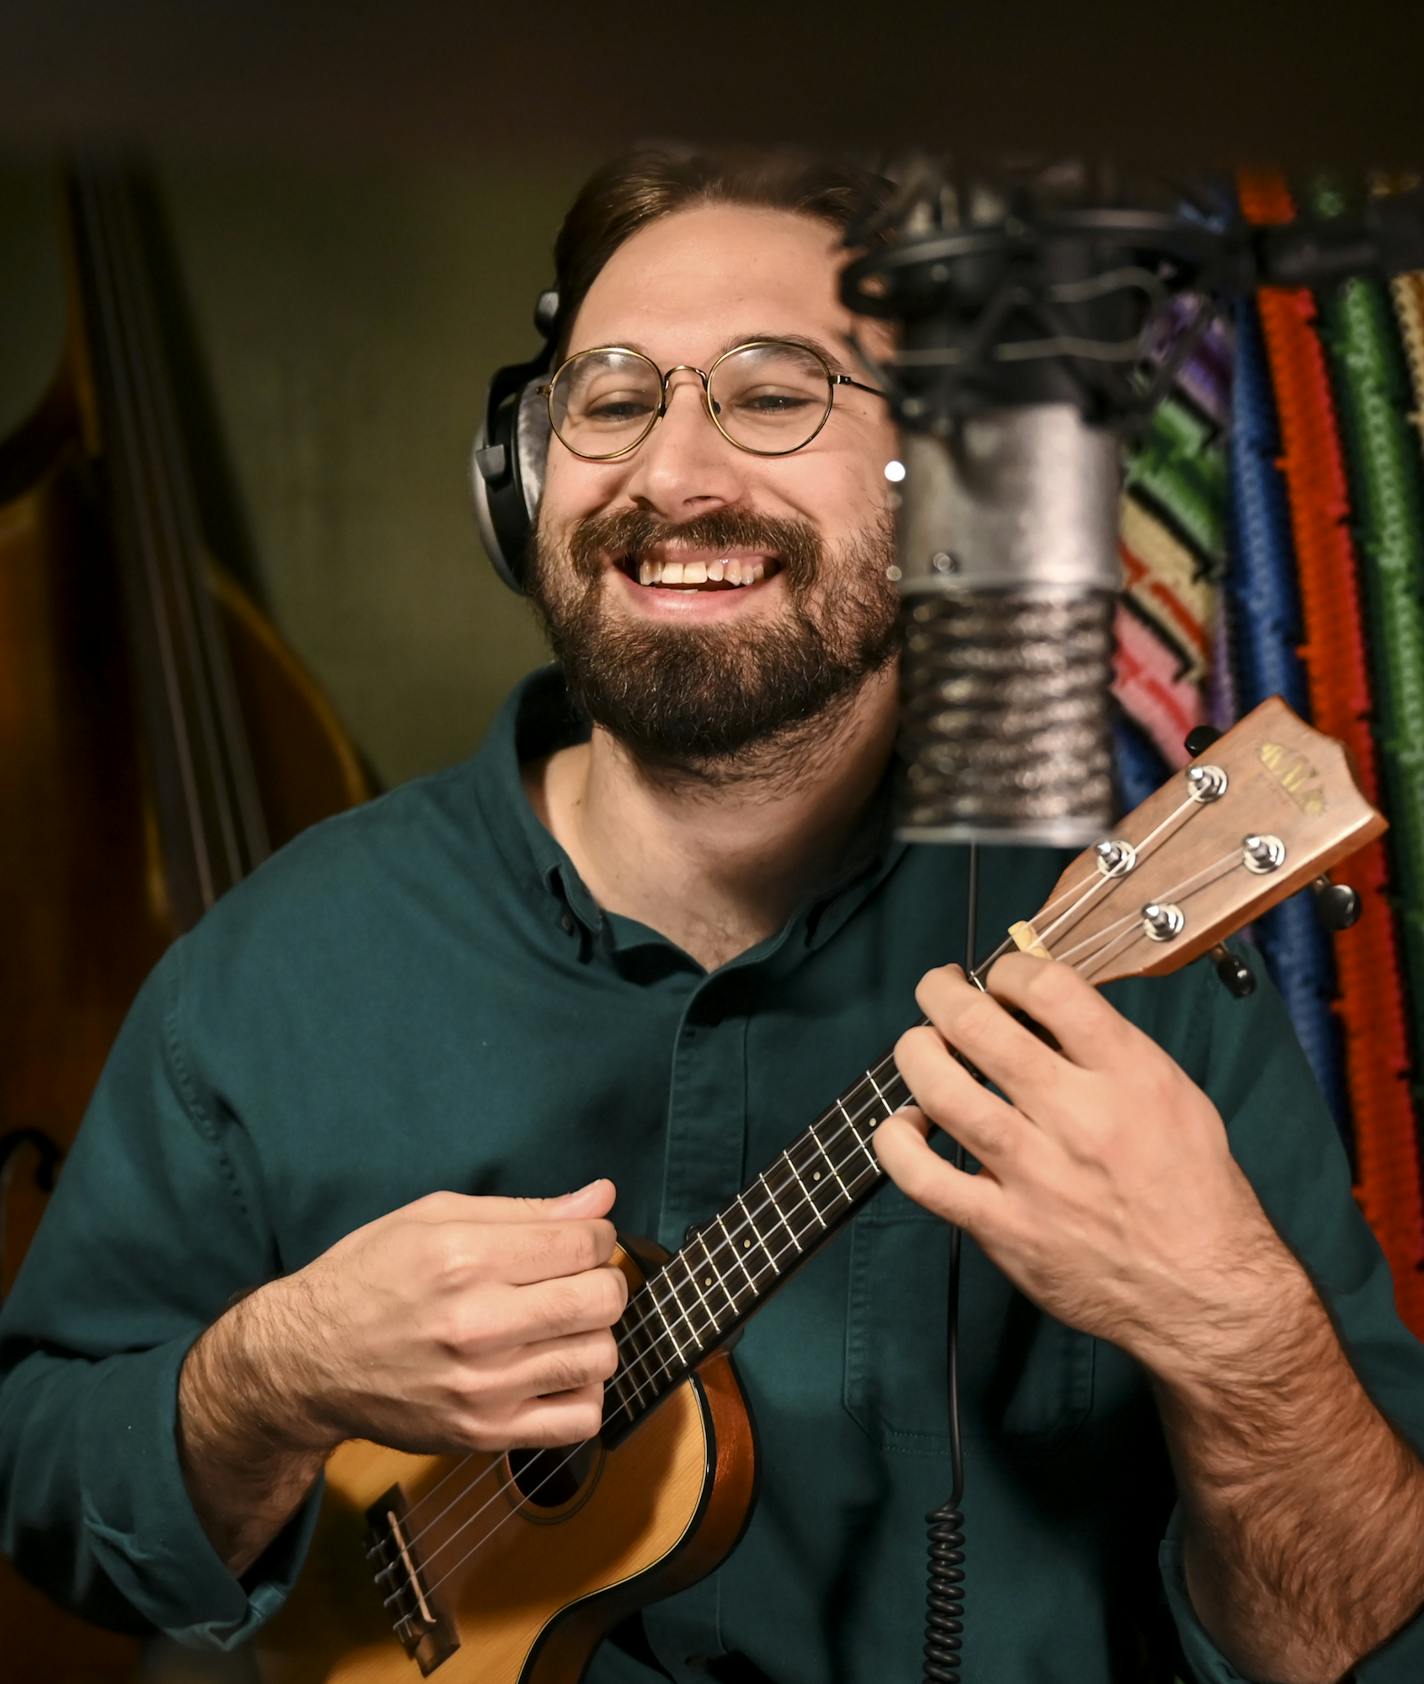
x: 633, y: 532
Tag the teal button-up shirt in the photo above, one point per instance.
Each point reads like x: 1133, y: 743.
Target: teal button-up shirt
x: 421, y: 994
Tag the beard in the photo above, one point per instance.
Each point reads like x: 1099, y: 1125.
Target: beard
x: 728, y: 700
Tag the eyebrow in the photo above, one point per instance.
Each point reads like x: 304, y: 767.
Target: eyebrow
x: 824, y: 352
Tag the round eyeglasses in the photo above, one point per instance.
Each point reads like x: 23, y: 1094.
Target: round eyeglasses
x: 769, y: 396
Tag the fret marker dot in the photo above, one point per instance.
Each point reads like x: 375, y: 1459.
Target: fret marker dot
x: 707, y: 1280
x: 816, y: 1176
x: 746, y: 1245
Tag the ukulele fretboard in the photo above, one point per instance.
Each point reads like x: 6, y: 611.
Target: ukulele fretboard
x: 699, y: 1297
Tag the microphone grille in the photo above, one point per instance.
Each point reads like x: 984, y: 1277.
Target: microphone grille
x: 1004, y: 716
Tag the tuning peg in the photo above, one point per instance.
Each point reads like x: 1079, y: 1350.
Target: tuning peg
x: 1200, y: 738
x: 1337, y: 904
x: 1236, y: 975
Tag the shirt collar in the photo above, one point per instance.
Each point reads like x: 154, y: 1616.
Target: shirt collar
x: 538, y: 718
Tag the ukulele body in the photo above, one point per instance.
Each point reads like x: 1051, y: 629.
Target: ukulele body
x: 556, y: 1567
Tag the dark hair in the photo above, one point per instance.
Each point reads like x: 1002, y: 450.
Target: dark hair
x: 653, y: 181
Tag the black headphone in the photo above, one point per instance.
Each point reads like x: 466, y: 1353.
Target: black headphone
x: 510, y: 449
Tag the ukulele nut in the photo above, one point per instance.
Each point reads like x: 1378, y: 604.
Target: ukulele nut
x: 1206, y: 783
x: 1161, y: 921
x: 1262, y: 854
x: 1115, y: 858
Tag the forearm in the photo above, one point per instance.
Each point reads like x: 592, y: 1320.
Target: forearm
x: 1303, y: 1507
x: 248, y: 1458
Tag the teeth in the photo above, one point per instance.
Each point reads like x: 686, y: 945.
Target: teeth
x: 690, y: 574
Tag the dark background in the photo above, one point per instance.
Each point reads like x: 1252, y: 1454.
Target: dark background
x: 360, y: 200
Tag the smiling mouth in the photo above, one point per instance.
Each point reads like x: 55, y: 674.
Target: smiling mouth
x: 726, y: 574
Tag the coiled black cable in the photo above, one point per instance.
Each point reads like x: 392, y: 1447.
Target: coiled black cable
x: 944, y: 1616
x: 944, y: 1613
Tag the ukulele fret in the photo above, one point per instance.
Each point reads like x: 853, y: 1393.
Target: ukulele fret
x: 701, y: 1340
x: 815, y: 1140
x: 711, y: 1263
x: 805, y: 1191
x: 856, y: 1137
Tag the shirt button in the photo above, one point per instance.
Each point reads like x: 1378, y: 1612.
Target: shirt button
x: 566, y: 923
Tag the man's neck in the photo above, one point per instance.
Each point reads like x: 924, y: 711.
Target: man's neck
x: 716, y: 865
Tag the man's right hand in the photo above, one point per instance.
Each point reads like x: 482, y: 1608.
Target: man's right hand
x: 457, y: 1323
x: 452, y: 1324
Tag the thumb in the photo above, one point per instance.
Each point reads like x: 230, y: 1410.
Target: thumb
x: 596, y: 1199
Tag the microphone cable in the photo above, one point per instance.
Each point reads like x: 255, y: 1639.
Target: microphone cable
x: 944, y: 1614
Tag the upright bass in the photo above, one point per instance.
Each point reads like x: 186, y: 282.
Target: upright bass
x: 157, y: 740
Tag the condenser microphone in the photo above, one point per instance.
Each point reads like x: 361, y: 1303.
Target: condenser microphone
x: 1021, y: 304
x: 1009, y: 573
x: 1015, y: 319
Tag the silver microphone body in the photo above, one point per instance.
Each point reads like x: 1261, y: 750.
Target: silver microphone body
x: 1007, y: 549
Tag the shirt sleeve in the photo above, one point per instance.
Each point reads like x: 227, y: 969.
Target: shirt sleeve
x: 156, y: 1223
x: 1285, y: 1140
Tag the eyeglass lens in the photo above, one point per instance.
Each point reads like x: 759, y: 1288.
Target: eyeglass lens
x: 769, y: 397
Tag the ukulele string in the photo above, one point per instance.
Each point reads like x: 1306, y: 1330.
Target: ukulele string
x: 848, y: 1119
x: 669, y: 1365
x: 718, y: 1255
x: 1180, y: 891
x: 843, y: 1124
x: 1078, y: 898
x: 526, y: 1498
x: 1144, y: 849
x: 1112, y: 934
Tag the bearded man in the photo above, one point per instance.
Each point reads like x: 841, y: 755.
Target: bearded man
x: 653, y: 926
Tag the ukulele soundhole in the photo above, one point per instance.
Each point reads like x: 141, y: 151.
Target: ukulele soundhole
x: 555, y: 1482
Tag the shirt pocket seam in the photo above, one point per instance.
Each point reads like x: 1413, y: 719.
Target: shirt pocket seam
x: 870, y: 1349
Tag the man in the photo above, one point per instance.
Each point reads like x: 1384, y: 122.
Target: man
x: 642, y: 955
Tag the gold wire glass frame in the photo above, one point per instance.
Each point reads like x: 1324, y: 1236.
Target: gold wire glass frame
x: 557, y: 388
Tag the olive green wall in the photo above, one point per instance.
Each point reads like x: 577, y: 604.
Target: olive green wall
x: 345, y: 325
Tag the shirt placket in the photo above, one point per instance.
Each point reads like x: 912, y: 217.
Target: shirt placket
x: 703, y: 1167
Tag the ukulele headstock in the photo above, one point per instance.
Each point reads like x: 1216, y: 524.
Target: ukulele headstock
x: 1268, y: 808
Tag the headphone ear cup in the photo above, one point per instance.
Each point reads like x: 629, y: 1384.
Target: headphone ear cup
x: 507, y: 478
x: 510, y: 451
x: 531, y: 446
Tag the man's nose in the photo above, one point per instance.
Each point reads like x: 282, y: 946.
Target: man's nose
x: 685, y: 464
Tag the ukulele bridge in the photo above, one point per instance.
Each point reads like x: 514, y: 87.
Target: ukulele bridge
x: 425, y: 1631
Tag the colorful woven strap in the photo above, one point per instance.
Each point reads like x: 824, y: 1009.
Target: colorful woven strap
x: 1264, y: 616
x: 1370, y: 1002
x: 1173, y: 546
x: 1370, y: 375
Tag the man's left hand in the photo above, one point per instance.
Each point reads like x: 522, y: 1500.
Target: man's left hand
x: 1107, y: 1192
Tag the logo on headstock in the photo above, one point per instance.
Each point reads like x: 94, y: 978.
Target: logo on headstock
x: 1296, y: 776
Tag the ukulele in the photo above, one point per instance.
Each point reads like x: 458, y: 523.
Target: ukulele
x: 509, y: 1568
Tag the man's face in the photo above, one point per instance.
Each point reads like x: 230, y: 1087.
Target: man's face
x: 694, y: 676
